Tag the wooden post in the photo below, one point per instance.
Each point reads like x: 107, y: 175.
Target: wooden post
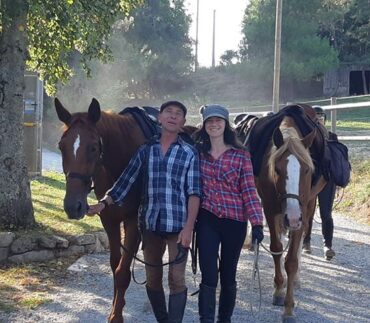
x: 276, y: 85
x: 214, y: 38
x: 196, y: 63
x: 333, y: 115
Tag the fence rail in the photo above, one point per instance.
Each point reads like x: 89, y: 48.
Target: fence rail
x: 332, y: 105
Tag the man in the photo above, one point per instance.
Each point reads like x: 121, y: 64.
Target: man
x: 168, y: 209
x: 326, y: 201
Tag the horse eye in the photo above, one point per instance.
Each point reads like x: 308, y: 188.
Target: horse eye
x: 277, y: 171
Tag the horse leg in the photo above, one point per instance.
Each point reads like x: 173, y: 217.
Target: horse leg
x: 122, y: 274
x: 291, y: 267
x: 114, y: 236
x: 276, y: 246
x: 308, y: 226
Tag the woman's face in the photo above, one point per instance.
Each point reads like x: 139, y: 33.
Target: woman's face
x: 215, y: 127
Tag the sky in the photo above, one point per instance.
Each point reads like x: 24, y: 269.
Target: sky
x: 229, y: 15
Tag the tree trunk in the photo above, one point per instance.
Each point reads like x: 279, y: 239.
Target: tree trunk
x: 16, y: 209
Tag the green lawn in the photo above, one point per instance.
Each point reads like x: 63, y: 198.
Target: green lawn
x: 47, y: 194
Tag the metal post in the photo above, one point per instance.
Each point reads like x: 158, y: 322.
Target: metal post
x: 214, y: 38
x: 196, y: 64
x: 333, y: 115
x: 276, y: 85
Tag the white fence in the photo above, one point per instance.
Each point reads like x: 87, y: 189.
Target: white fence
x: 327, y: 104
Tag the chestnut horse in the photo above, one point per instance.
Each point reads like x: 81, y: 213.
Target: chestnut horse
x: 288, y: 192
x: 96, y: 146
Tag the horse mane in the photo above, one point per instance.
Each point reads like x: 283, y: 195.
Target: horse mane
x: 293, y: 144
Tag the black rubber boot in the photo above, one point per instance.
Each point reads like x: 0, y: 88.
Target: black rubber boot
x: 176, y: 307
x: 158, y: 302
x: 207, y: 303
x: 227, y: 304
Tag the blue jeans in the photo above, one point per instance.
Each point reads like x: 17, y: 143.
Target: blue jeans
x: 326, y: 201
x: 211, y: 233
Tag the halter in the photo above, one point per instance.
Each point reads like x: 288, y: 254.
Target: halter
x: 286, y: 196
x: 87, y: 179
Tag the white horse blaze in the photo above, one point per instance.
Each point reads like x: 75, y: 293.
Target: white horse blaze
x: 76, y: 145
x: 293, y: 209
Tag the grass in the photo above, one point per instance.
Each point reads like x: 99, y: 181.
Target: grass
x: 28, y: 286
x: 47, y: 194
x: 355, y: 202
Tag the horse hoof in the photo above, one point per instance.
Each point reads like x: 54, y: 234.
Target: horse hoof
x: 288, y: 319
x: 307, y: 248
x: 278, y: 300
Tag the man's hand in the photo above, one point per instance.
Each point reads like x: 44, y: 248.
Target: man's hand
x: 95, y: 208
x: 257, y: 233
x: 185, y: 236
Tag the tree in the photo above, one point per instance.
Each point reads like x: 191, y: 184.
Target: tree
x: 229, y: 57
x: 348, y: 28
x: 304, y: 54
x: 42, y: 33
x: 159, y: 33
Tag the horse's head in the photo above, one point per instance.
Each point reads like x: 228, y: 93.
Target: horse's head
x: 81, y: 149
x: 291, y: 170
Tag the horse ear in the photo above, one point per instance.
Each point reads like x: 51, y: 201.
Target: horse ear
x: 63, y: 114
x: 308, y: 140
x: 277, y: 138
x: 94, y: 111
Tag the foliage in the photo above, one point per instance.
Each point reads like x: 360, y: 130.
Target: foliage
x: 229, y: 57
x: 347, y: 25
x: 159, y: 31
x: 152, y: 60
x: 304, y: 54
x: 56, y: 29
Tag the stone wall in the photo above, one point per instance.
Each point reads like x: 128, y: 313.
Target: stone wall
x: 32, y: 248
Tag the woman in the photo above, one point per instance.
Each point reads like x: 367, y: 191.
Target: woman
x: 229, y: 200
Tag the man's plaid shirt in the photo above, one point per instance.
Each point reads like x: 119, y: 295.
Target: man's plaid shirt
x: 171, y: 180
x: 228, y: 187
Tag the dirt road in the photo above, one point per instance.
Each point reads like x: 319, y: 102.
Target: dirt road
x: 335, y: 291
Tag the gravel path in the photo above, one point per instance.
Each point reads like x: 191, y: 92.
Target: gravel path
x: 335, y: 291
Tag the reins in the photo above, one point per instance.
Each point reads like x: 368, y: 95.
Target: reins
x: 180, y: 257
x: 256, y: 274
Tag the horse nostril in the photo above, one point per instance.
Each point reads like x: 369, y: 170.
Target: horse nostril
x: 79, y: 206
x: 286, y: 221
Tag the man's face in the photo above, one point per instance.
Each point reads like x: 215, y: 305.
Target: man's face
x: 321, y: 118
x: 172, y: 119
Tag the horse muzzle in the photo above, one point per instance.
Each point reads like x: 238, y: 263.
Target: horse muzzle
x: 75, y: 208
x: 292, y: 223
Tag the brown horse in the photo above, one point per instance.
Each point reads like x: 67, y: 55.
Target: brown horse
x: 285, y: 185
x: 96, y: 146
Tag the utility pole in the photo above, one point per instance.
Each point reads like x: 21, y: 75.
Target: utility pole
x: 214, y: 38
x: 276, y: 86
x: 196, y: 64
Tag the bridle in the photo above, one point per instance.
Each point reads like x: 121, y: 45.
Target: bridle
x: 84, y: 178
x: 283, y: 197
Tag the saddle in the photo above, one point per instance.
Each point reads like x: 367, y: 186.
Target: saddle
x: 147, y: 119
x: 244, y: 126
x: 306, y: 121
